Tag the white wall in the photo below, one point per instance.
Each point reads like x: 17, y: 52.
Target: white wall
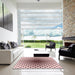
x: 6, y: 35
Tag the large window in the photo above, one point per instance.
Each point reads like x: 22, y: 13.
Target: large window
x: 40, y: 24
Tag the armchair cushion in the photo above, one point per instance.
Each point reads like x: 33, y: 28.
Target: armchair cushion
x: 51, y: 45
x: 72, y: 48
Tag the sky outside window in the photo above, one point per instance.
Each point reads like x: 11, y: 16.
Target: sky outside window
x: 41, y: 22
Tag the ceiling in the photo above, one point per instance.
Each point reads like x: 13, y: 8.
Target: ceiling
x: 42, y: 4
x: 51, y: 1
x: 34, y: 4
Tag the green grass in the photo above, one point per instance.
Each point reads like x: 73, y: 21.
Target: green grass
x: 39, y: 44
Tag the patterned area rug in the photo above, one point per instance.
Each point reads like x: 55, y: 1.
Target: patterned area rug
x: 37, y: 63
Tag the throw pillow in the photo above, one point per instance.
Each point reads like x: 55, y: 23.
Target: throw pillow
x: 3, y: 45
x: 9, y: 46
x: 13, y: 44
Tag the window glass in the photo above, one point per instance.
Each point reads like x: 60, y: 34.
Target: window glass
x: 41, y: 23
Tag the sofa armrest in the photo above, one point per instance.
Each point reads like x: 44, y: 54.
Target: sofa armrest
x: 20, y: 45
x: 6, y: 57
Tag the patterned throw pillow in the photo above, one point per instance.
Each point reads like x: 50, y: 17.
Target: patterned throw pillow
x: 9, y: 46
x: 3, y: 45
x: 13, y: 44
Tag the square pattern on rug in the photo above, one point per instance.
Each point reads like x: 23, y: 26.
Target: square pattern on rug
x: 37, y: 63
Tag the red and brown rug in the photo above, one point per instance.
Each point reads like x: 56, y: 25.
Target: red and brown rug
x: 37, y: 63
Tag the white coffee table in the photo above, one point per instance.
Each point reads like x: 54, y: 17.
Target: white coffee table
x: 41, y: 53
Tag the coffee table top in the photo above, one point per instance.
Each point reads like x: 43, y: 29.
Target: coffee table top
x: 41, y: 52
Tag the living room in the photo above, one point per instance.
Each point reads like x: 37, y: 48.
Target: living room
x: 28, y: 30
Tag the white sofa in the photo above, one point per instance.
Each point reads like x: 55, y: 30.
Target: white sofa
x: 9, y: 55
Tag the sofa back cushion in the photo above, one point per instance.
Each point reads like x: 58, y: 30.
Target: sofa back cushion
x: 72, y: 48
